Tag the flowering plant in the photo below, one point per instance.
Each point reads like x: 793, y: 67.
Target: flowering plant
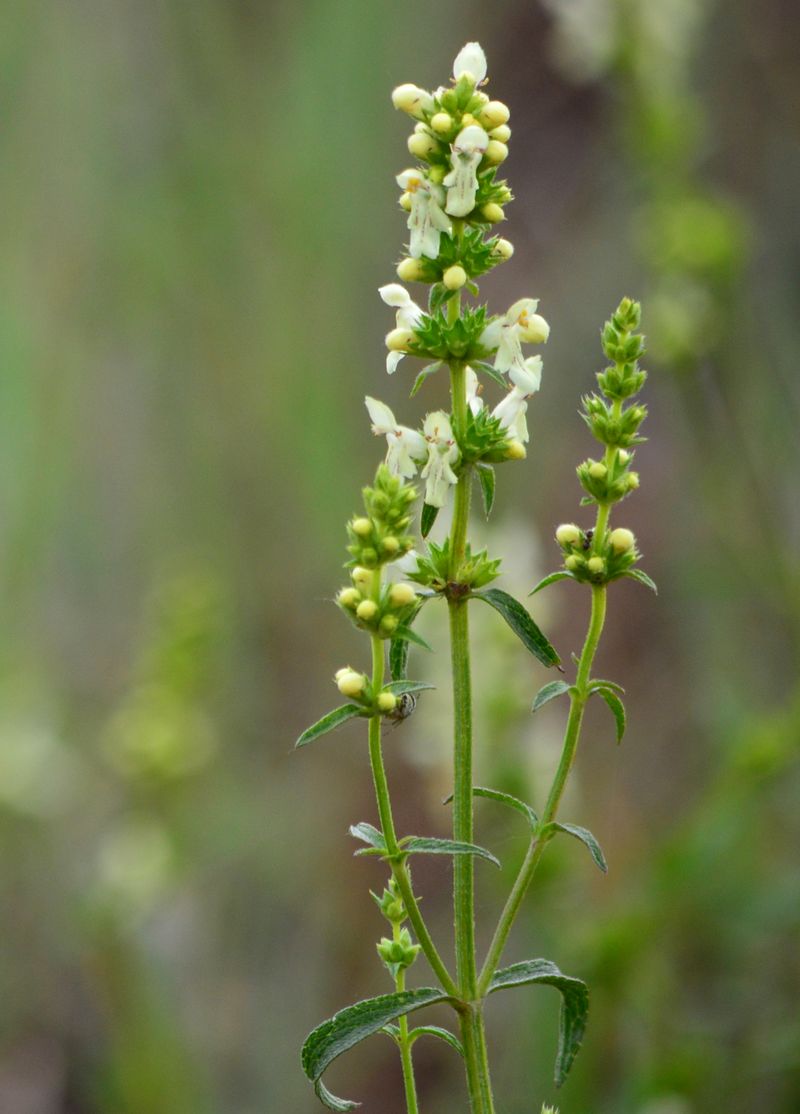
x: 453, y: 199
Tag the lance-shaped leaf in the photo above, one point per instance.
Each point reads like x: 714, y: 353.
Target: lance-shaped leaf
x: 431, y: 369
x: 549, y: 692
x: 562, y: 574
x: 352, y: 1025
x: 585, y: 836
x: 616, y: 706
x: 488, y: 369
x: 429, y: 845
x: 486, y: 478
x: 574, y: 1004
x: 369, y: 835
x: 597, y: 683
x: 436, y: 1031
x: 399, y: 647
x: 504, y: 799
x: 521, y: 623
x: 330, y: 722
x: 643, y: 578
x: 406, y: 634
x: 427, y: 519
x: 398, y: 688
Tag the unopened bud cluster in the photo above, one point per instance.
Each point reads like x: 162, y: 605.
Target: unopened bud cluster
x: 379, y: 612
x: 380, y: 536
x: 390, y: 903
x: 358, y: 689
x: 614, y: 420
x: 400, y: 952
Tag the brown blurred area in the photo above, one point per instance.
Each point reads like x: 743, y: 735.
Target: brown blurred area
x: 199, y: 206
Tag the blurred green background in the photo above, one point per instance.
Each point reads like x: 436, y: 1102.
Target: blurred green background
x: 198, y: 206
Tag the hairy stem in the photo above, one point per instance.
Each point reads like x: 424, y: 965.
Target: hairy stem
x: 405, y: 1047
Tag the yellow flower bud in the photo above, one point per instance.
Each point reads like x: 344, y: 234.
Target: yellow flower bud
x: 410, y: 99
x: 621, y: 540
x: 493, y: 212
x: 573, y: 562
x: 494, y: 114
x: 350, y: 683
x: 633, y: 481
x: 436, y: 174
x: 598, y: 470
x: 596, y: 565
x: 503, y: 133
x: 388, y: 624
x: 504, y: 248
x: 401, y: 595
x: 422, y: 145
x: 367, y: 610
x: 387, y: 701
x: 390, y: 545
x: 341, y: 672
x: 362, y: 527
x: 442, y: 122
x: 410, y: 270
x: 405, y: 201
x: 467, y: 120
x: 349, y: 597
x: 496, y: 152
x: 454, y: 277
x: 515, y: 450
x: 623, y: 456
x: 398, y: 340
x: 536, y: 331
x: 481, y: 98
x: 568, y: 534
x: 361, y: 577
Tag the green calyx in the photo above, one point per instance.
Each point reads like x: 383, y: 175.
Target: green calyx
x: 378, y: 613
x: 390, y: 903
x: 594, y: 561
x: 475, y: 571
x: 437, y: 338
x: 399, y: 953
x: 380, y: 536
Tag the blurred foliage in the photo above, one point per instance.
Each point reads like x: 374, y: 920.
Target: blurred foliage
x: 200, y: 205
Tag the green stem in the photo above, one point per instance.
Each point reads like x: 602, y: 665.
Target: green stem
x: 399, y: 869
x: 578, y: 698
x: 405, y: 1047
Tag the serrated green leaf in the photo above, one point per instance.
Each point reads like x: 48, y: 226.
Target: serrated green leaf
x: 429, y: 845
x: 427, y: 519
x: 403, y: 633
x: 367, y: 834
x: 436, y: 1031
x: 330, y: 722
x: 617, y: 709
x: 586, y: 837
x: 574, y: 1004
x: 400, y: 687
x: 643, y: 578
x: 562, y: 574
x: 486, y: 478
x: 549, y: 692
x: 352, y: 1025
x: 431, y: 369
x: 521, y: 623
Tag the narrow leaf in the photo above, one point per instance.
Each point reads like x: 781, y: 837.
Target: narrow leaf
x: 437, y: 1031
x: 486, y: 478
x: 586, y: 837
x: 617, y: 709
x: 643, y: 578
x: 428, y: 845
x: 330, y: 722
x: 562, y: 574
x: 597, y: 683
x: 427, y: 519
x: 507, y: 799
x: 352, y: 1025
x: 423, y: 375
x: 398, y: 658
x: 400, y: 687
x: 521, y: 623
x: 406, y: 634
x: 487, y: 369
x: 574, y: 1004
x: 549, y: 692
x: 367, y: 834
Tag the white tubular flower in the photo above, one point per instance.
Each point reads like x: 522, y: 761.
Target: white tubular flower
x: 413, y: 100
x: 427, y: 219
x: 521, y: 322
x: 408, y: 563
x: 513, y: 408
x: 442, y: 453
x: 470, y: 62
x: 407, y: 447
x: 408, y: 314
x: 474, y: 402
x: 462, y: 182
